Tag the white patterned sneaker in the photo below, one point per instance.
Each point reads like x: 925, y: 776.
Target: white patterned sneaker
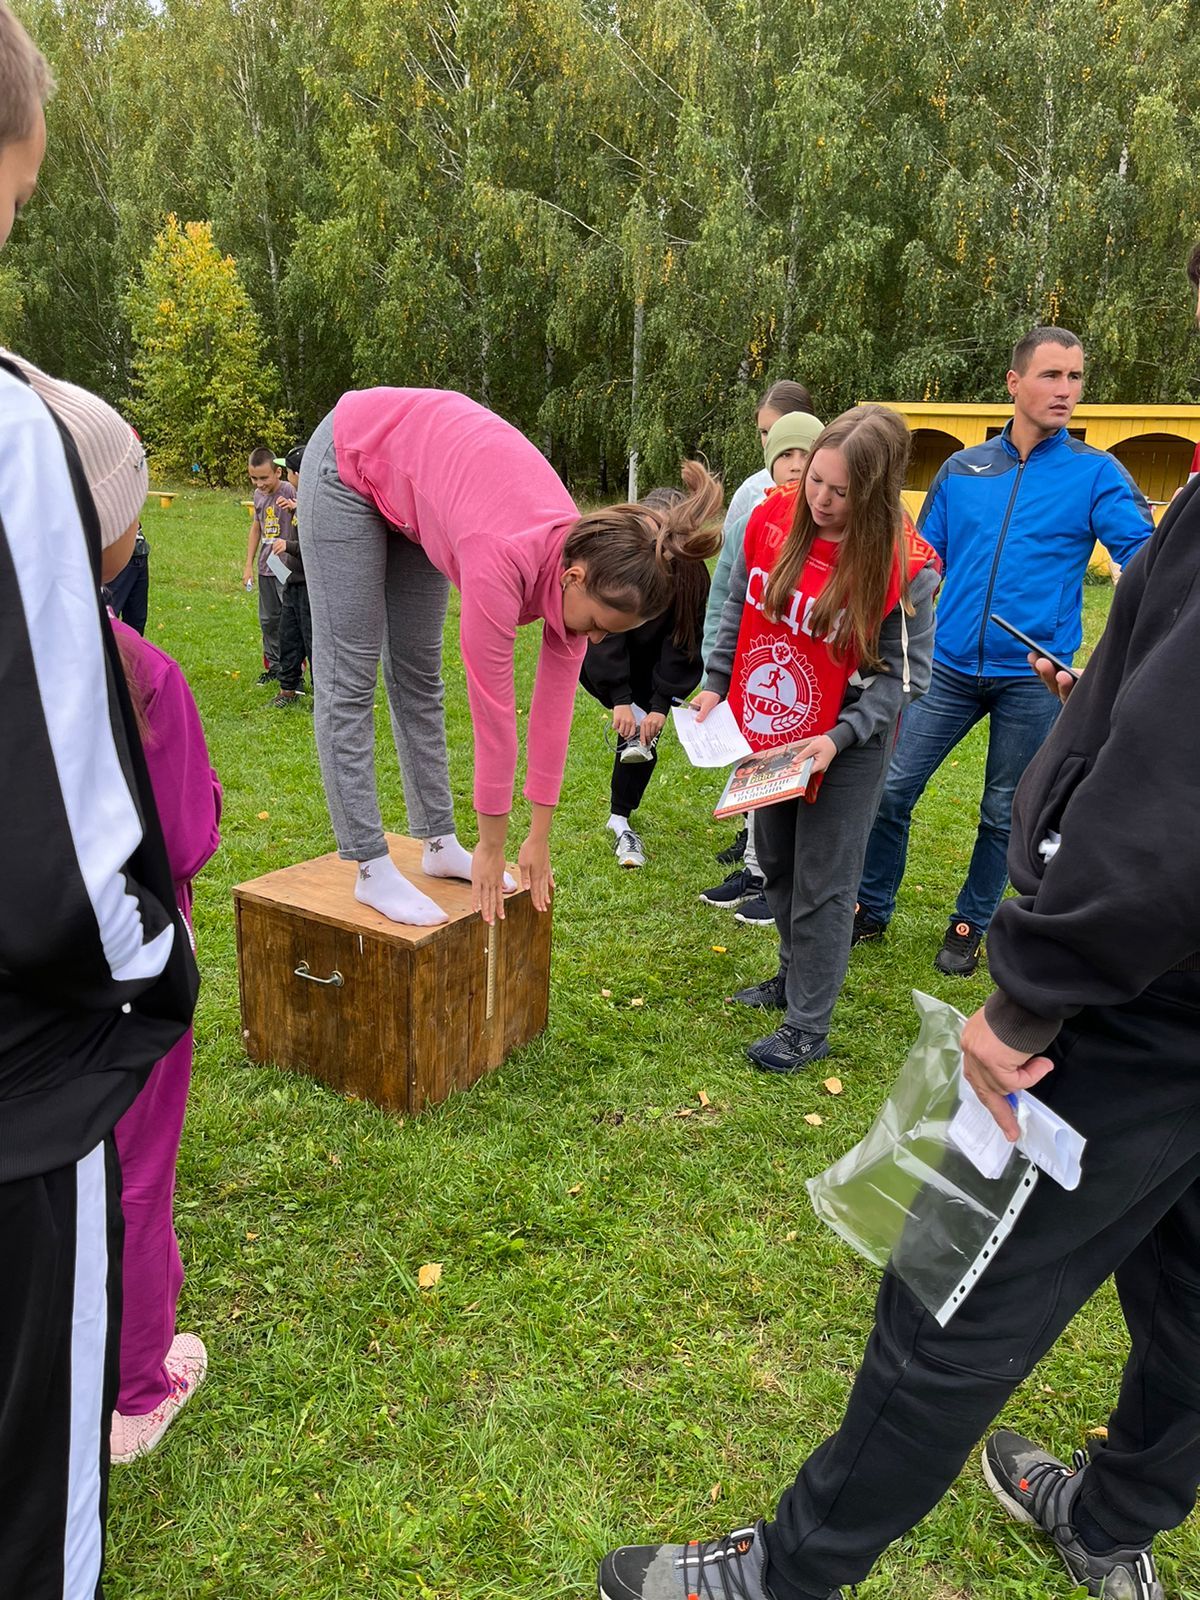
x: 186, y: 1364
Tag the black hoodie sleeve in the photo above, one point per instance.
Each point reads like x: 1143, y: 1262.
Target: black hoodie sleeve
x: 1118, y: 779
x: 607, y: 668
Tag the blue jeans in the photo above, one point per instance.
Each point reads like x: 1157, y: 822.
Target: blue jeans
x: 1022, y: 713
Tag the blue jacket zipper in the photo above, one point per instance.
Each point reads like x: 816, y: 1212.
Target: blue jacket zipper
x: 987, y: 603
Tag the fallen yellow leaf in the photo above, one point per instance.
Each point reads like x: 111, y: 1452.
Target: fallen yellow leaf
x: 790, y: 1236
x: 576, y: 1188
x: 714, y: 1494
x: 834, y: 1085
x: 606, y: 994
x: 813, y: 1120
x: 429, y: 1274
x: 1097, y: 1433
x: 719, y: 949
x: 703, y: 1098
x: 637, y: 1001
x: 251, y: 1236
x: 263, y: 815
x: 235, y: 674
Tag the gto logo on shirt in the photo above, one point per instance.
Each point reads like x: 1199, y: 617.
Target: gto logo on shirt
x: 780, y: 693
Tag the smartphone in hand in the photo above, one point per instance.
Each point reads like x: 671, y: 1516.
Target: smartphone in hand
x: 1030, y: 644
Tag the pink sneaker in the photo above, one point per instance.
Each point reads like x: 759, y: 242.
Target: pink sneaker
x: 186, y: 1364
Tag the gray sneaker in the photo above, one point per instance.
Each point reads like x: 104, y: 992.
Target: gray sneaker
x: 630, y: 850
x: 721, y: 1569
x: 1035, y: 1487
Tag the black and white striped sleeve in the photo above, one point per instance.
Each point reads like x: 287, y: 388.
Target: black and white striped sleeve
x: 74, y: 922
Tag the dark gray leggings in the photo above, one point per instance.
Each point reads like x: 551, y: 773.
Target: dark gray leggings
x: 374, y: 594
x: 810, y: 857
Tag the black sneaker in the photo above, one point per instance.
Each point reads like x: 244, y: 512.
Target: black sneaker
x: 739, y: 886
x: 788, y: 1049
x: 720, y: 1569
x: 959, y: 955
x: 755, y: 913
x: 768, y: 996
x: 866, y: 927
x: 269, y: 676
x: 1035, y: 1487
x: 287, y: 699
x: 733, y: 853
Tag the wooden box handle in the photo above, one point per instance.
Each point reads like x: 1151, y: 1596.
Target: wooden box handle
x: 335, y: 979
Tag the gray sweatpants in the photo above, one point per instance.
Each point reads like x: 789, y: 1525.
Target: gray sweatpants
x: 811, y: 857
x: 374, y: 593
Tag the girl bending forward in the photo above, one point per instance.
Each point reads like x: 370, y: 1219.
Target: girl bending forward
x: 402, y: 493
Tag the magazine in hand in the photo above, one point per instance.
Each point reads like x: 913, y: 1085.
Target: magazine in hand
x: 768, y: 778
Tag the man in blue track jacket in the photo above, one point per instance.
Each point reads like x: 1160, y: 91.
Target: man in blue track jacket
x: 1014, y: 521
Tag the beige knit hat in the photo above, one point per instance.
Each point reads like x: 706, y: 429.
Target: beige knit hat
x: 114, y: 462
x: 795, y: 430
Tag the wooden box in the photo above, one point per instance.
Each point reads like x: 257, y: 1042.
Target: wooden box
x: 399, y: 1015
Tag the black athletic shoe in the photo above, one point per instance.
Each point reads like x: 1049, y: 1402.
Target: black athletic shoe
x: 284, y: 701
x: 733, y: 853
x: 866, y: 927
x: 1035, y: 1487
x: 959, y: 955
x: 720, y: 1569
x: 755, y: 913
x: 788, y: 1049
x: 269, y: 676
x: 768, y: 996
x: 741, y: 885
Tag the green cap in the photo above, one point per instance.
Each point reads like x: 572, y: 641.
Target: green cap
x: 795, y: 430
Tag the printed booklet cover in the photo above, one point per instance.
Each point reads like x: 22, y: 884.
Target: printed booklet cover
x: 766, y: 779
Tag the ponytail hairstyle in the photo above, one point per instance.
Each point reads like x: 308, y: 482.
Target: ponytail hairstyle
x: 875, y: 445
x: 691, y: 580
x: 639, y: 559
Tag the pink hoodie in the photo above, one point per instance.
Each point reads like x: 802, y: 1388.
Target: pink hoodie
x: 490, y: 512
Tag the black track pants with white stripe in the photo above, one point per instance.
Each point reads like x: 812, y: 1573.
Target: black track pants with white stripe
x: 60, y: 1273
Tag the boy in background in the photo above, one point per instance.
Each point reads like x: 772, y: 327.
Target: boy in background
x: 295, y: 623
x: 274, y: 505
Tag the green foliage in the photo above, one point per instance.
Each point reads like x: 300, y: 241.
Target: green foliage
x: 617, y: 222
x: 204, y: 384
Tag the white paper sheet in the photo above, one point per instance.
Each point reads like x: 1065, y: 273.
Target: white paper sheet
x: 282, y: 572
x: 1048, y: 1141
x: 715, y: 742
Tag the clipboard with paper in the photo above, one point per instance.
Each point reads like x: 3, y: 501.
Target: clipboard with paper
x: 929, y: 1190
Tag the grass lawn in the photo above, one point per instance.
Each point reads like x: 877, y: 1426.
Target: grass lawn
x: 640, y: 1329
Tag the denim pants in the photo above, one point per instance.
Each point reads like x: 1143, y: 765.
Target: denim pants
x: 1125, y: 1077
x: 1021, y: 713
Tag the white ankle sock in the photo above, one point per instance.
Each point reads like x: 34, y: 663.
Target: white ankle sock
x: 381, y: 885
x: 617, y: 824
x: 444, y: 857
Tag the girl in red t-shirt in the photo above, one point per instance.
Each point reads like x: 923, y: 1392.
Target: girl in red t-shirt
x: 827, y: 633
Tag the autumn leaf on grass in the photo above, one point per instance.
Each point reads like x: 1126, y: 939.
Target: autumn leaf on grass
x: 834, y: 1085
x: 703, y: 1099
x: 714, y: 1494
x: 637, y: 1001
x: 429, y: 1274
x: 606, y: 994
x: 1097, y: 1433
x: 813, y: 1120
x: 719, y: 950
x: 263, y: 816
x: 576, y: 1188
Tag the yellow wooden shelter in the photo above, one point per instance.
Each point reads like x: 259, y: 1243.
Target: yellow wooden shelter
x: 1153, y: 443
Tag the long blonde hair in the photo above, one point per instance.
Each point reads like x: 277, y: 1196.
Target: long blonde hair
x: 634, y: 556
x: 875, y: 445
